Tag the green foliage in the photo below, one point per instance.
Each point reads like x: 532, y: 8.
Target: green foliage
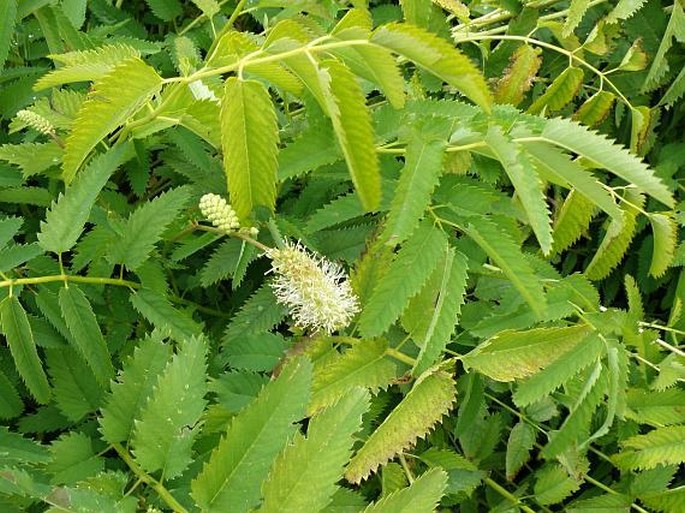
x: 303, y: 477
x: 249, y: 142
x: 248, y: 444
x: 17, y: 331
x: 164, y: 432
x: 65, y: 220
x: 114, y: 98
x: 430, y: 398
x: 487, y: 193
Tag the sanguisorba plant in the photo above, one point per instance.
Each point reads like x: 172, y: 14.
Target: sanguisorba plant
x: 310, y: 256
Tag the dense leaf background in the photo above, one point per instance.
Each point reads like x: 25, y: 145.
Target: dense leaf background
x: 502, y: 182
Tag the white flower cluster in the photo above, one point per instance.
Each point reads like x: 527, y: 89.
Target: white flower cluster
x: 36, y: 121
x: 218, y: 212
x: 315, y: 290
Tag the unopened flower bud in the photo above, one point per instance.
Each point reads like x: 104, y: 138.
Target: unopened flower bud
x: 36, y: 121
x: 218, y: 212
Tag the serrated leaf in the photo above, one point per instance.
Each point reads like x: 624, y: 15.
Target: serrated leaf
x: 17, y: 330
x: 553, y: 485
x: 112, y: 100
x: 32, y: 158
x: 659, y: 66
x: 662, y: 446
x: 16, y: 448
x: 513, y: 355
x: 576, y: 12
x: 76, y: 391
x: 518, y: 77
x: 85, y: 332
x: 588, y: 351
x: 304, y: 475
x: 617, y: 238
x: 555, y: 163
x: 624, y: 9
x: 259, y: 352
x: 675, y: 91
x: 249, y: 139
x: 65, y: 220
x: 85, y: 65
x: 588, y: 394
x: 11, y: 405
x: 572, y: 222
x: 165, y: 10
x: 431, y: 397
x: 232, y: 477
x: 438, y: 57
x: 595, y: 109
x: 73, y: 459
x: 372, y: 63
x: 422, y: 496
x: 509, y: 258
x: 9, y: 10
x: 17, y: 255
x: 560, y: 92
x: 341, y: 209
x: 519, y: 444
x: 364, y: 365
x: 404, y: 279
x: 418, y: 179
x: 443, y: 294
x: 164, y: 432
x: 257, y: 315
x: 228, y: 260
x: 156, y: 309
x: 578, y: 139
x: 665, y: 232
x: 314, y: 148
x: 525, y: 180
x: 144, y: 227
x: 131, y: 389
x: 656, y: 408
x: 346, y: 106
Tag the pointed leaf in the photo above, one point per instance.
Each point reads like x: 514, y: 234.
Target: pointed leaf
x: 438, y: 57
x: 145, y: 226
x: 422, y: 496
x: 364, y: 365
x: 346, y: 106
x: 15, y: 326
x: 232, y: 477
x: 85, y: 332
x: 404, y: 279
x: 65, y: 220
x: 168, y: 423
x: 249, y: 139
x: 304, y: 475
x: 132, y: 388
x: 525, y: 180
x: 443, y: 295
x: 431, y: 397
x: 421, y: 173
x: 512, y: 355
x: 112, y: 100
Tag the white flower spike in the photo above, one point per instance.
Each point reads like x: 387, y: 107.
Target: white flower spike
x: 315, y: 290
x: 218, y: 212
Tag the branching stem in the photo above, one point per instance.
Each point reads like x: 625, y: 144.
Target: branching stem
x: 163, y: 493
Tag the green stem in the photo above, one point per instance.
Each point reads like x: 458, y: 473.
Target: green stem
x: 507, y: 495
x: 163, y: 493
x: 529, y: 40
x: 400, y: 356
x: 36, y: 280
x: 250, y: 59
x: 237, y: 235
